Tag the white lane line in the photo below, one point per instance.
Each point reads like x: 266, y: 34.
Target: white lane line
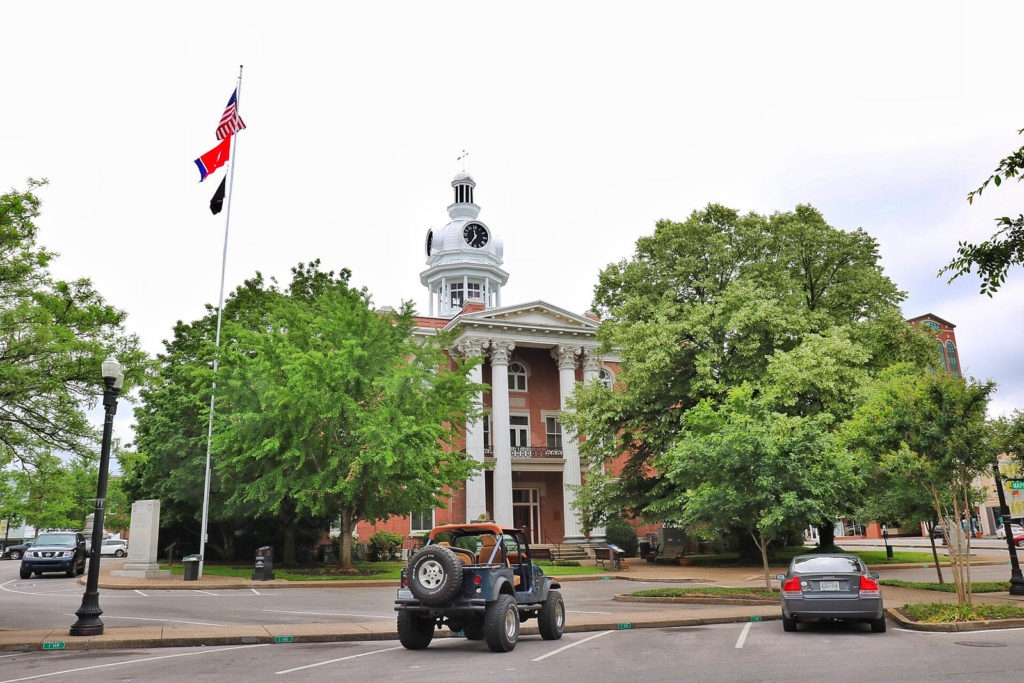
x: 583, y: 611
x: 339, y: 659
x: 130, y: 661
x: 743, y: 635
x: 330, y: 614
x: 3, y: 587
x: 141, y: 593
x: 566, y: 647
x: 255, y: 591
x: 205, y: 592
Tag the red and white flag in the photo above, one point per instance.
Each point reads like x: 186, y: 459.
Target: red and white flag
x: 230, y: 121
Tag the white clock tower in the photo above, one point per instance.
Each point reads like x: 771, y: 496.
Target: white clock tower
x: 463, y: 258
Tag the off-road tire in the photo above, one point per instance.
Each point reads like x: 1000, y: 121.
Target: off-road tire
x: 788, y: 625
x: 501, y: 624
x: 551, y: 619
x: 878, y: 625
x: 473, y: 630
x: 435, y: 575
x: 15, y: 554
x: 118, y: 553
x: 415, y: 633
x: 25, y: 573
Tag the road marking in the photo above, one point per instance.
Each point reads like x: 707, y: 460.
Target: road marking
x: 255, y: 591
x: 339, y: 659
x: 141, y: 593
x: 330, y: 614
x: 53, y: 593
x: 583, y: 611
x: 173, y: 621
x: 130, y: 661
x: 743, y: 635
x: 566, y: 647
x: 205, y: 593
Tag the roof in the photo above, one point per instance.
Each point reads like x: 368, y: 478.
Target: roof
x: 930, y: 316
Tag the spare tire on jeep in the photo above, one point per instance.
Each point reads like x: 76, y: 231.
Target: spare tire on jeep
x: 435, y: 574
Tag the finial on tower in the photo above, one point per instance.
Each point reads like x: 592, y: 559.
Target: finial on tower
x: 462, y: 158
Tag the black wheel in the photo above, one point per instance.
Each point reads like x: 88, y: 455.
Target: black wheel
x: 81, y: 567
x: 1020, y: 543
x: 118, y: 553
x: 474, y: 630
x: 788, y: 625
x: 25, y: 573
x: 501, y: 624
x: 878, y: 625
x: 435, y: 575
x: 72, y: 571
x: 15, y: 554
x: 414, y: 632
x: 551, y: 620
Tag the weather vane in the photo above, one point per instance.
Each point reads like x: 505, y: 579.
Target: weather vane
x: 462, y: 158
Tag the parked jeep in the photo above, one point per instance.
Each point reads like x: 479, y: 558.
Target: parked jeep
x: 478, y: 579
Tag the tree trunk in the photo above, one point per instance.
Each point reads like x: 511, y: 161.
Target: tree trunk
x: 289, y: 545
x: 827, y: 536
x: 762, y: 545
x: 347, y: 524
x: 935, y: 555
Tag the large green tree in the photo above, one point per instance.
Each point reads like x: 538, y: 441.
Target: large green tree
x: 54, y: 334
x: 787, y: 303
x: 930, y: 428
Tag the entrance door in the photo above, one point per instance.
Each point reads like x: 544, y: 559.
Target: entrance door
x: 526, y: 513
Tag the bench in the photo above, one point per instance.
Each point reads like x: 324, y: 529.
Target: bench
x: 606, y: 555
x: 540, y: 553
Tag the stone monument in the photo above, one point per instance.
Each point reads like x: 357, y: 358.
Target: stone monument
x: 142, y: 543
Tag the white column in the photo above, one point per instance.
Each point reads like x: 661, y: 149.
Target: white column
x: 500, y: 354
x: 591, y: 369
x: 566, y: 359
x: 476, y: 491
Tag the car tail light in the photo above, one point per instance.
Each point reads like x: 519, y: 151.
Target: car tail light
x: 868, y: 586
x: 405, y: 582
x: 477, y: 580
x: 792, y: 586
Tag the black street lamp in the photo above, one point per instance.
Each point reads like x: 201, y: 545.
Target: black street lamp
x: 88, y: 623
x: 1016, y: 578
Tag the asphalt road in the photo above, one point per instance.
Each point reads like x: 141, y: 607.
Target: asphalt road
x: 751, y: 651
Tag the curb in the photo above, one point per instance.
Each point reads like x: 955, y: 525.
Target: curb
x: 953, y: 626
x: 702, y: 600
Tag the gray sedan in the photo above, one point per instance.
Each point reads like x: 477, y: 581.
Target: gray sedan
x: 835, y: 586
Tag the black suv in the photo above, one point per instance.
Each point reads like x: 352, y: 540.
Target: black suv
x: 480, y: 581
x: 55, y: 551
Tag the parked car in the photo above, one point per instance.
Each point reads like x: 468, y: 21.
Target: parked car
x: 16, y: 550
x: 1015, y: 529
x: 55, y: 551
x: 118, y: 547
x: 1018, y: 540
x: 830, y: 586
x: 480, y: 581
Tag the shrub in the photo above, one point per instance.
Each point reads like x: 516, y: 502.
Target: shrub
x: 383, y: 545
x: 620, y: 533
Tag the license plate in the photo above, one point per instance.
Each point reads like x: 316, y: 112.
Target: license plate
x: 828, y: 585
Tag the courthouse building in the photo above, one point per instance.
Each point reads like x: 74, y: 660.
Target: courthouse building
x: 534, y: 354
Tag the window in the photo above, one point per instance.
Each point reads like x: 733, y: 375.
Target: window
x: 606, y: 378
x: 473, y: 291
x: 458, y: 296
x: 554, y: 432
x: 931, y: 324
x: 951, y: 359
x: 943, y: 361
x: 519, y: 430
x: 487, y: 432
x: 421, y: 523
x: 516, y: 377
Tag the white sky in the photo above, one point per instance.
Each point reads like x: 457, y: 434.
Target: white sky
x: 586, y: 122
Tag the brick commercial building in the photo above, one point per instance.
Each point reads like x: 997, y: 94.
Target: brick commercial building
x: 534, y: 354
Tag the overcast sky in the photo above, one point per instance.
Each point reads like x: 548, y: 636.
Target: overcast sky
x: 585, y: 123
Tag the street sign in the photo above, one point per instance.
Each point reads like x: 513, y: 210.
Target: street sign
x: 53, y: 646
x: 1017, y: 485
x: 282, y: 639
x: 627, y: 625
x: 1009, y: 469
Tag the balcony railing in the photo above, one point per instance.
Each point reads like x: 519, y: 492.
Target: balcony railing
x: 529, y: 452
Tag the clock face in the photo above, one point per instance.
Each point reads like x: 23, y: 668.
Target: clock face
x: 475, y: 235
x: 430, y: 240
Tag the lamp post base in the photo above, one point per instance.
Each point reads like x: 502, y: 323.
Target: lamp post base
x: 1017, y: 585
x: 88, y: 623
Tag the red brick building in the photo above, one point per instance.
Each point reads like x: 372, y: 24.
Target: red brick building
x: 947, y: 340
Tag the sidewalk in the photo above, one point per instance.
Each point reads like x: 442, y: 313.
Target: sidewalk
x: 674, y: 615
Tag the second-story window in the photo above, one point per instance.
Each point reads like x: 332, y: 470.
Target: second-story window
x: 516, y: 377
x: 554, y: 432
x: 951, y: 359
x: 606, y: 378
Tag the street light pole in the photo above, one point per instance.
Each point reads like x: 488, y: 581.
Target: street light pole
x: 88, y: 623
x: 1016, y: 578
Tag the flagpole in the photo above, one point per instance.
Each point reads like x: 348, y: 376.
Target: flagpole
x: 220, y: 308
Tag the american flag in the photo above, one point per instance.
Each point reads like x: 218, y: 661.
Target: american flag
x: 230, y: 121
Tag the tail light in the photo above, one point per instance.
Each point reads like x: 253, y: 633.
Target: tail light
x: 868, y: 586
x: 477, y: 580
x: 792, y: 586
x: 405, y: 582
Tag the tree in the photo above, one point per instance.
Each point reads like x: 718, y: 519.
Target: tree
x: 792, y: 306
x: 741, y: 466
x: 1005, y: 248
x: 334, y: 410
x: 930, y: 428
x: 54, y: 335
x: 54, y: 494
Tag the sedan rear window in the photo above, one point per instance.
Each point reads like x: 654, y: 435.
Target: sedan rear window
x: 814, y: 565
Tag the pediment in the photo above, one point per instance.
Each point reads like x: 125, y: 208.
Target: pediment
x: 535, y: 314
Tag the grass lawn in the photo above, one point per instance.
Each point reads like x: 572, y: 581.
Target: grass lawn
x: 722, y: 591
x: 950, y: 587
x: 937, y: 612
x: 367, y: 571
x: 787, y: 554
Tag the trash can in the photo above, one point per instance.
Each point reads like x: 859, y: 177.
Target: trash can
x: 264, y: 565
x: 644, y: 546
x: 191, y: 563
